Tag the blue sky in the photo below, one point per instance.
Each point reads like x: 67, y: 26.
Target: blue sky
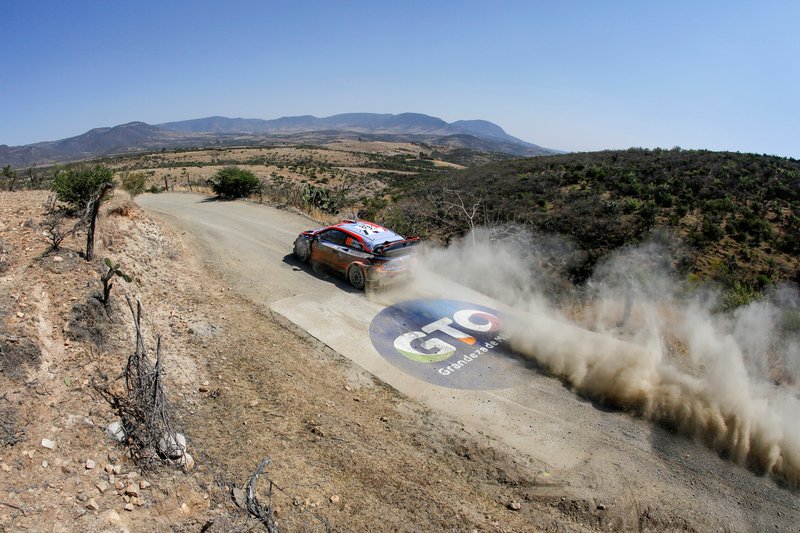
x: 581, y: 75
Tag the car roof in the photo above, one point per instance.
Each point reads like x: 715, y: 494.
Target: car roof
x: 372, y: 234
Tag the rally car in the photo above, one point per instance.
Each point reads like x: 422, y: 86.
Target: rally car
x: 368, y: 254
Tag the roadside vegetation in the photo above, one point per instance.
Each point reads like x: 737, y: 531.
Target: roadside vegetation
x: 737, y: 214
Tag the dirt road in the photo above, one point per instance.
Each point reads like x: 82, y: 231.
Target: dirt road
x: 582, y: 450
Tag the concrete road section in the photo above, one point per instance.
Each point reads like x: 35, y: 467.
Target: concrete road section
x: 439, y: 350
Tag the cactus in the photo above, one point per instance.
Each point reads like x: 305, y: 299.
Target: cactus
x: 320, y: 197
x: 113, y: 270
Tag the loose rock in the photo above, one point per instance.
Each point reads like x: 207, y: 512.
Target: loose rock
x: 514, y: 506
x: 102, y: 486
x: 172, y: 446
x: 49, y: 444
x: 187, y: 462
x: 92, y: 505
x: 335, y: 498
x: 129, y: 507
x: 238, y: 497
x: 89, y: 464
x: 116, y: 431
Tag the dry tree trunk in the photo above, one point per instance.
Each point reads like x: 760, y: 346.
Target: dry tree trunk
x: 92, y: 209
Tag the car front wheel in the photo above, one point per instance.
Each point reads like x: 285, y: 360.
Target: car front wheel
x: 301, y: 250
x: 356, y: 277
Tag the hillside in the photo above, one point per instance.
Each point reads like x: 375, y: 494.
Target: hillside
x: 372, y: 123
x: 139, y: 137
x: 738, y: 214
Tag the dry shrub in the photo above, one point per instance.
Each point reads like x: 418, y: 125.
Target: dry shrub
x: 127, y: 209
x: 122, y: 204
x: 17, y: 354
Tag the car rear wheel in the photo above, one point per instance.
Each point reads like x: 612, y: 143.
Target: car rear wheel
x: 356, y: 277
x: 301, y: 250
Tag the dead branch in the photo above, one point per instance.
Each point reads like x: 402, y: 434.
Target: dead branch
x: 263, y: 513
x: 145, y: 411
x: 14, y: 507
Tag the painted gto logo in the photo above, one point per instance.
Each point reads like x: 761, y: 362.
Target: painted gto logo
x: 446, y: 342
x: 420, y: 346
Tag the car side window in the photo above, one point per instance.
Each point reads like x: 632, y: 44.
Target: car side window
x: 353, y: 244
x: 333, y: 236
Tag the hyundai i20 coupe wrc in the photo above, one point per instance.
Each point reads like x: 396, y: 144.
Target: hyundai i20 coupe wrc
x: 369, y: 255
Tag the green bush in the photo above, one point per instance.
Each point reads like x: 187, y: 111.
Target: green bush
x: 134, y: 183
x: 740, y: 294
x: 234, y: 182
x: 76, y: 186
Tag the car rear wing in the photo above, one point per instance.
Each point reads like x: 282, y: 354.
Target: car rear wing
x: 395, y: 246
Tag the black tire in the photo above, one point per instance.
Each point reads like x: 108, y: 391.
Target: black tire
x: 301, y: 250
x: 356, y: 277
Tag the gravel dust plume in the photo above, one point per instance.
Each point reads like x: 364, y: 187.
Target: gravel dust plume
x: 645, y: 341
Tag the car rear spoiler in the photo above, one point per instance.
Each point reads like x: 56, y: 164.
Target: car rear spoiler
x: 396, y: 245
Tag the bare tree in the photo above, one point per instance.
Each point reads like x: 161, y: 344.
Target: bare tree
x: 53, y: 225
x: 456, y: 207
x: 32, y: 178
x: 350, y: 182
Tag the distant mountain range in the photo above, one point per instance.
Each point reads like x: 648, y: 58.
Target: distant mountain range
x: 222, y: 131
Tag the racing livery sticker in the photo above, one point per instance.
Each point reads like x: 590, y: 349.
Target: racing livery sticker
x: 446, y: 342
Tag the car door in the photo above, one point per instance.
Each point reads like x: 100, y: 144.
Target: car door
x: 331, y: 249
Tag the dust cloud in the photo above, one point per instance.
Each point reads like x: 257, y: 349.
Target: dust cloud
x: 637, y: 337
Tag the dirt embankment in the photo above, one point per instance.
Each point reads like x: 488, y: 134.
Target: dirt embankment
x: 347, y: 453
